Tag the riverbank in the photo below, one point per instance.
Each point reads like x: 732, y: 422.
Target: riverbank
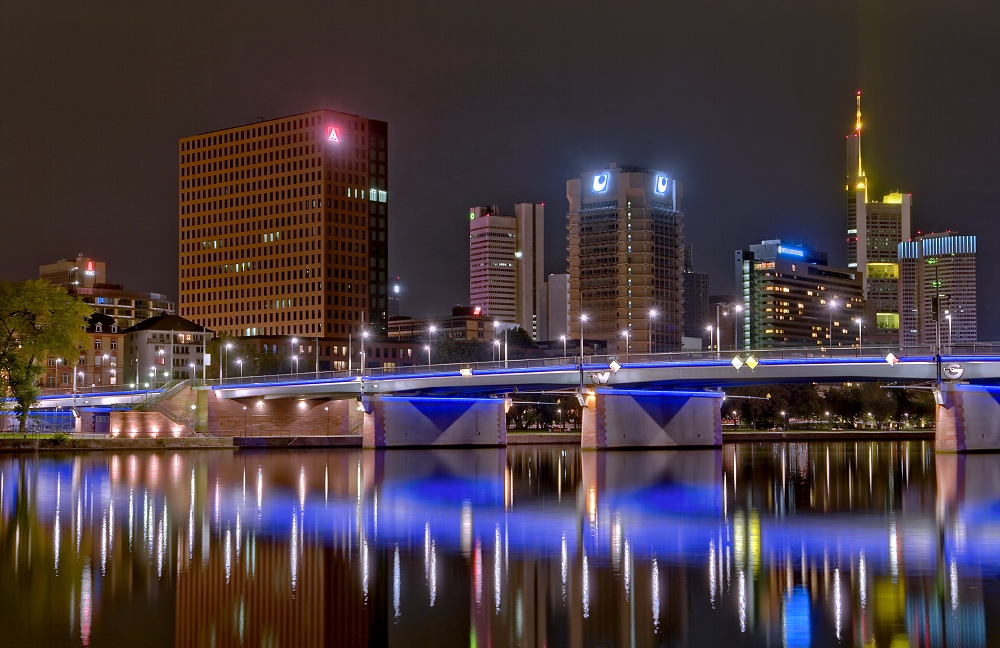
x: 96, y: 442
x: 736, y: 436
x: 49, y: 443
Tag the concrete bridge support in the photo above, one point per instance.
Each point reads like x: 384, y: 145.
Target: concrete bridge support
x: 967, y: 418
x: 618, y: 418
x: 431, y: 421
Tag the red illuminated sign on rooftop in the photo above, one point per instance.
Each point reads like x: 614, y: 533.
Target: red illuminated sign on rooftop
x: 332, y: 134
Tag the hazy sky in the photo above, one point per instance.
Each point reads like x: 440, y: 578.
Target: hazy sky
x: 747, y: 103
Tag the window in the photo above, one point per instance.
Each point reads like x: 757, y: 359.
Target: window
x: 114, y: 345
x: 97, y: 343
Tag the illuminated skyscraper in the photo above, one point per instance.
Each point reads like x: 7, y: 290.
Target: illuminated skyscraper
x: 625, y: 229
x: 284, y: 226
x: 874, y: 231
x: 937, y: 290
x: 791, y: 297
x: 506, y: 263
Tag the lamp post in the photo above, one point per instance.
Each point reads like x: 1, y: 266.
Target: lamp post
x: 295, y: 353
x: 859, y: 321
x: 709, y: 328
x: 737, y: 310
x: 784, y: 415
x: 240, y: 363
x: 947, y: 316
x: 652, y: 316
x: 225, y: 357
x: 295, y: 358
x: 496, y: 349
x: 364, y: 340
x: 625, y: 333
x: 833, y: 304
x: 430, y: 340
x: 194, y: 371
x: 583, y: 320
x: 563, y: 338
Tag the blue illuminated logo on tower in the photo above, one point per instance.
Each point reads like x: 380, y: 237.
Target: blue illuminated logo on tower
x: 601, y: 182
x: 790, y: 251
x: 662, y: 182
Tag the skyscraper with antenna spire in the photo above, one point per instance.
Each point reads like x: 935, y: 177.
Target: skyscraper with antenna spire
x: 874, y: 231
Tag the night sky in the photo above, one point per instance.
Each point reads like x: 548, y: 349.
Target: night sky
x: 747, y: 103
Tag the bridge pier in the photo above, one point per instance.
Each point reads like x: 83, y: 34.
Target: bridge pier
x: 433, y: 421
x: 619, y: 418
x: 967, y: 418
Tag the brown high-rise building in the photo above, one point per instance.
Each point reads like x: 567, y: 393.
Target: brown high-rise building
x: 624, y: 230
x: 283, y: 226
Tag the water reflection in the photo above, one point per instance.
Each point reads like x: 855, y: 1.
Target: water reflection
x: 760, y: 544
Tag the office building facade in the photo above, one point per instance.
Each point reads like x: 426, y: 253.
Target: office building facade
x: 86, y: 279
x: 162, y: 349
x: 874, y: 231
x: 696, y: 316
x: 937, y: 291
x: 553, y: 308
x: 791, y: 297
x: 506, y: 263
x: 284, y: 226
x: 625, y: 251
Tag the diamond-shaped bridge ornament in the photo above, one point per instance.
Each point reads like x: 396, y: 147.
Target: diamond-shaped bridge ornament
x: 736, y: 362
x: 751, y: 362
x: 891, y: 359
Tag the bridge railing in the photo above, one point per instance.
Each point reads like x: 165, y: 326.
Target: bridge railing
x: 572, y: 361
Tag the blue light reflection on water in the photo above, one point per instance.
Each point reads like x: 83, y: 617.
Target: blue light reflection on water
x: 430, y: 547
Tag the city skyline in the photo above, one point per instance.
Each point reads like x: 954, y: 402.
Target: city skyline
x: 933, y: 128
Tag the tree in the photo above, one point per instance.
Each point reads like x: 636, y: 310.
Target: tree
x: 37, y: 321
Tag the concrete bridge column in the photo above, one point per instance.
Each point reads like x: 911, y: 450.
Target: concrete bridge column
x: 967, y: 418
x: 619, y: 418
x: 432, y: 421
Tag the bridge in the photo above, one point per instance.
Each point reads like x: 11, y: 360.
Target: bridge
x: 649, y: 400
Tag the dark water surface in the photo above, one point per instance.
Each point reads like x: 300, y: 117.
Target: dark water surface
x: 842, y: 544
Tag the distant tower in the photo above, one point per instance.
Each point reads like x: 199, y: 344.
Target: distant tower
x: 625, y: 229
x: 937, y: 290
x: 874, y: 231
x: 695, y: 298
x: 506, y: 263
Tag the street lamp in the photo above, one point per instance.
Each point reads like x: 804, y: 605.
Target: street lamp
x: 709, y: 328
x: 225, y: 357
x: 295, y: 358
x: 431, y: 330
x: 737, y: 310
x: 295, y: 353
x: 625, y: 333
x: 427, y: 348
x: 583, y: 320
x: 859, y: 321
x: 833, y: 304
x: 652, y: 316
x: 947, y: 316
x: 239, y: 361
x: 364, y: 341
x: 563, y: 338
x: 784, y: 415
x: 194, y: 371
